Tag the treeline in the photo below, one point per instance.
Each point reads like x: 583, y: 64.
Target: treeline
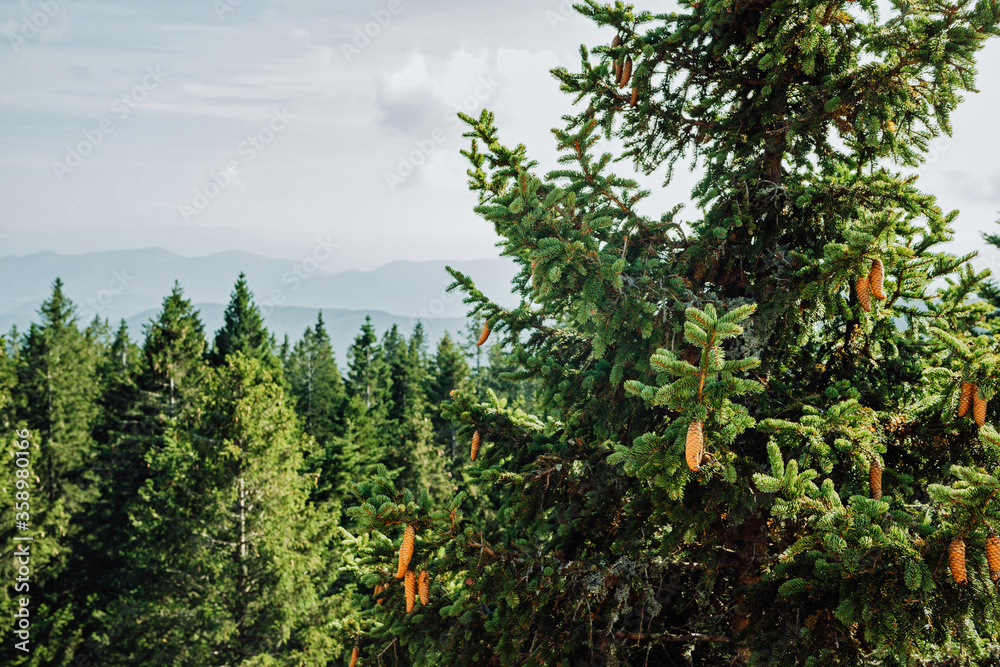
x: 185, y: 493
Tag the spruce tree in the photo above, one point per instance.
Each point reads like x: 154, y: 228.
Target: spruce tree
x: 449, y: 372
x: 57, y: 391
x: 316, y: 384
x: 770, y: 433
x: 243, y: 329
x: 172, y: 351
x: 227, y: 542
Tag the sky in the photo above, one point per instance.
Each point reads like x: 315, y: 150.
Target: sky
x: 283, y: 126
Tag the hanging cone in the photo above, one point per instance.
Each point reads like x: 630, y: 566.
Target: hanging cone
x: 965, y: 397
x: 486, y: 333
x: 476, y: 438
x: 979, y: 409
x: 410, y: 584
x: 993, y: 555
x: 626, y: 73
x: 956, y: 560
x: 354, y: 655
x: 695, y: 446
x: 863, y: 298
x: 876, y: 278
x: 406, y: 551
x: 635, y: 97
x: 875, y: 478
x: 424, y: 587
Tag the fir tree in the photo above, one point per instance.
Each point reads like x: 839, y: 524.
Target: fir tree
x: 228, y: 543
x: 58, y: 390
x: 243, y: 329
x: 449, y: 373
x: 367, y: 371
x: 315, y: 382
x: 172, y: 351
x: 752, y: 453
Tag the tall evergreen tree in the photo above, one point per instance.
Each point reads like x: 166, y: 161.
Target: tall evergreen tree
x: 243, y: 329
x: 172, y: 353
x: 229, y: 543
x: 315, y: 382
x: 58, y: 392
x: 449, y: 373
x: 760, y: 446
x: 368, y: 375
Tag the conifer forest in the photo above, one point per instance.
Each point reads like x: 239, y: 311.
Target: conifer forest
x: 761, y: 429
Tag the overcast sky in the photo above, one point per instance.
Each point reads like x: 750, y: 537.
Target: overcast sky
x: 207, y: 125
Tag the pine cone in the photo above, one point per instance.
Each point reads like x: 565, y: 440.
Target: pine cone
x: 979, y: 409
x: 486, y: 333
x: 354, y: 655
x: 476, y: 438
x: 626, y: 72
x: 863, y: 298
x: 956, y: 560
x: 993, y: 555
x: 616, y: 42
x: 695, y: 446
x: 875, y: 478
x: 410, y: 584
x: 876, y: 278
x: 618, y: 71
x: 406, y: 551
x: 965, y: 397
x: 534, y: 280
x: 635, y: 97
x: 378, y: 589
x: 424, y: 587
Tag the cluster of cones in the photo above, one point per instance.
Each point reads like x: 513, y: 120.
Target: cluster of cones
x: 972, y: 397
x: 872, y: 285
x: 414, y: 584
x: 956, y: 559
x: 623, y: 72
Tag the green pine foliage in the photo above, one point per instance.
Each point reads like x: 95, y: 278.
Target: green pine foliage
x: 243, y: 330
x: 752, y: 319
x: 229, y: 545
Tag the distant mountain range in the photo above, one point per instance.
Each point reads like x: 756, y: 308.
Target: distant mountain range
x: 131, y: 285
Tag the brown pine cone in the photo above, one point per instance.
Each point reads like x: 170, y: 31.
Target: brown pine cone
x: 875, y: 478
x: 424, y: 587
x: 695, y: 446
x: 876, y: 278
x: 410, y: 584
x: 863, y: 297
x: 993, y: 555
x: 476, y: 439
x: 979, y: 409
x: 965, y: 397
x: 956, y: 560
x: 406, y: 551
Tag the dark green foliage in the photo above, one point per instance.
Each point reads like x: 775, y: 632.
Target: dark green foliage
x: 228, y: 542
x: 243, y: 330
x: 609, y: 549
